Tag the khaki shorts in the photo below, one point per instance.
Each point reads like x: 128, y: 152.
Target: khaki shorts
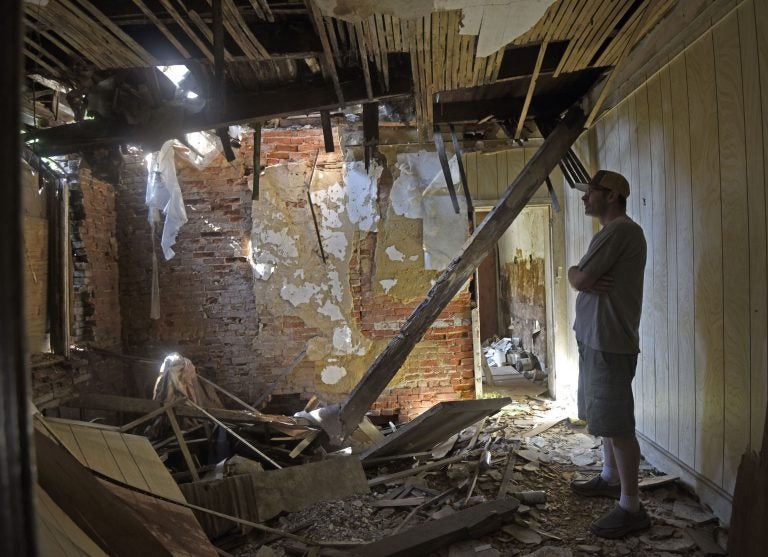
x: 605, y: 392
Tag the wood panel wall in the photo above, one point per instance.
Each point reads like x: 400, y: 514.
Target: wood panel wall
x: 693, y: 143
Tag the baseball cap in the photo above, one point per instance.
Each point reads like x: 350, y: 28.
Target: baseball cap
x: 609, y: 180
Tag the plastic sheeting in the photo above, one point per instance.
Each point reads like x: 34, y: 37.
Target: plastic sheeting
x: 164, y: 195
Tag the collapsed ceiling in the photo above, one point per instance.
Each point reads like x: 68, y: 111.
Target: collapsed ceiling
x: 93, y: 65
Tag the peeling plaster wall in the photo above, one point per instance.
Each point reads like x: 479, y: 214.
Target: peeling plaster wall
x: 248, y: 290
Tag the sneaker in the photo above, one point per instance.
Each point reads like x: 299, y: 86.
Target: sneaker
x: 596, y: 487
x: 619, y: 522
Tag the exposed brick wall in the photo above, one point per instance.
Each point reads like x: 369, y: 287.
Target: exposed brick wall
x: 209, y: 311
x: 206, y: 291
x: 93, y: 224
x: 440, y: 367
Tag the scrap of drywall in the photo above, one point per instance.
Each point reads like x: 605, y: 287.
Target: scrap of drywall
x: 361, y: 189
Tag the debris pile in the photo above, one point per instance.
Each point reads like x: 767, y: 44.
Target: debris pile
x: 477, y: 477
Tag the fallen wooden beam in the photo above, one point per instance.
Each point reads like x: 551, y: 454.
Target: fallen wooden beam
x: 128, y: 405
x: 168, y: 123
x: 455, y: 275
x: 429, y: 537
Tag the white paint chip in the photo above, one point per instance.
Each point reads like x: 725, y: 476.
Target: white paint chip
x: 332, y: 374
x: 395, y: 254
x: 387, y: 284
x: 298, y: 295
x: 331, y: 310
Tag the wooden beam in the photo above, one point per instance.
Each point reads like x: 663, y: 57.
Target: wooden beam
x: 325, y: 122
x: 142, y: 406
x: 443, y: 157
x: 456, y: 275
x: 191, y: 466
x: 370, y: 130
x: 464, y: 182
x: 17, y: 516
x: 241, y: 108
x: 531, y: 89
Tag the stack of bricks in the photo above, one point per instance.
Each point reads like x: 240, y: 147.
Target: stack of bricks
x: 440, y: 368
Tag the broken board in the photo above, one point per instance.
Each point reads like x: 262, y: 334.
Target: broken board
x: 132, y: 460
x: 57, y: 534
x: 263, y: 495
x: 435, y: 426
x: 428, y: 537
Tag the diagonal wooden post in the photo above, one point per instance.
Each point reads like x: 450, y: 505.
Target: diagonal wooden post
x: 455, y: 276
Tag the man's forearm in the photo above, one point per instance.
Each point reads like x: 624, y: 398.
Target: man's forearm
x: 578, y: 279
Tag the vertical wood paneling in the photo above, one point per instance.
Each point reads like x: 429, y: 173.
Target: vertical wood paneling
x: 755, y: 115
x: 502, y: 180
x: 470, y: 168
x: 644, y: 187
x: 635, y: 203
x: 761, y: 28
x: 686, y: 400
x: 657, y: 293
x: 707, y: 257
x: 735, y: 264
x: 693, y: 142
x: 669, y: 212
x: 486, y: 177
x: 515, y: 163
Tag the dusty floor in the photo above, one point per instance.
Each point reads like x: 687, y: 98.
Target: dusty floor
x: 547, y: 462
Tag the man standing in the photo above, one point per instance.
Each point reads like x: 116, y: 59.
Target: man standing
x: 609, y: 279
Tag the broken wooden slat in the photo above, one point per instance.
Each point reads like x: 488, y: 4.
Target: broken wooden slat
x: 163, y: 29
x: 233, y: 433
x: 531, y: 88
x: 397, y: 476
x: 298, y: 449
x: 187, y: 29
x: 440, y: 147
x: 457, y: 273
x: 370, y: 130
x: 328, y: 61
x: 429, y: 537
x: 435, y: 425
x: 462, y: 174
x: 656, y: 481
x: 191, y: 466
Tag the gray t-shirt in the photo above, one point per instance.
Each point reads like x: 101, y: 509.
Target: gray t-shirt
x: 610, y: 322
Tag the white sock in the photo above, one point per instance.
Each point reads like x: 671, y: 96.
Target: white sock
x: 610, y: 475
x: 630, y: 503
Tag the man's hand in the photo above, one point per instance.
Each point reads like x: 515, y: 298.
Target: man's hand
x: 603, y: 285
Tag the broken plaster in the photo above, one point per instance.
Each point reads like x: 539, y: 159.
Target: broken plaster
x: 496, y: 23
